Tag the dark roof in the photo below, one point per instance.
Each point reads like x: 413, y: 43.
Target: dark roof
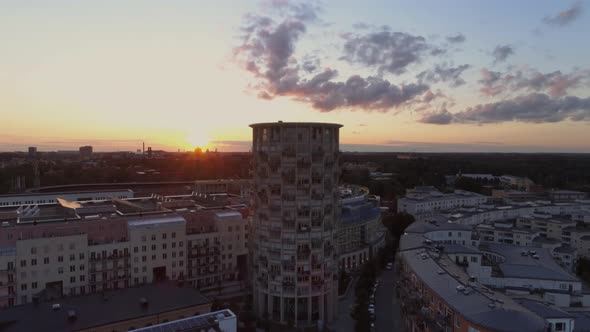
x: 581, y: 321
x: 544, y: 310
x: 205, y: 322
x: 425, y: 227
x: 565, y: 249
x: 93, y: 310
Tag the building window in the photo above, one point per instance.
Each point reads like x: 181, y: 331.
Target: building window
x: 559, y: 326
x: 23, y: 263
x: 173, y: 235
x: 23, y: 287
x: 34, y: 285
x: 72, y: 279
x: 164, y: 236
x: 33, y: 250
x: 60, y: 270
x: 457, y: 321
x: 33, y: 261
x: 60, y: 258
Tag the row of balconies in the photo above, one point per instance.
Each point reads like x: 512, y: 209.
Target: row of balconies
x: 109, y: 257
x: 112, y: 278
x: 104, y: 269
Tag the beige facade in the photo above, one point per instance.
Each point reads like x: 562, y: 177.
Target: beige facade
x: 159, y: 247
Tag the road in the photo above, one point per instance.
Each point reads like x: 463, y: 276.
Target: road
x: 345, y: 323
x: 387, y: 310
x: 387, y: 307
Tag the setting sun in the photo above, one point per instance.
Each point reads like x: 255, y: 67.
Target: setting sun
x: 198, y: 139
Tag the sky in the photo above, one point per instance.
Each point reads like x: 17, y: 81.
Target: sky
x: 417, y: 76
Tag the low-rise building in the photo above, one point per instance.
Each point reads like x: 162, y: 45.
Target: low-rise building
x: 427, y: 199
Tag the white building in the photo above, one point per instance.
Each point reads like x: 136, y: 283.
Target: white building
x: 421, y: 200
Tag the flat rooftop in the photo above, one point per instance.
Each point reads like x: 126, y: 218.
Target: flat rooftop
x: 96, y: 310
x: 204, y: 322
x: 516, y: 265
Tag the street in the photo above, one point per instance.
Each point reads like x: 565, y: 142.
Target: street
x: 387, y: 309
x: 345, y: 323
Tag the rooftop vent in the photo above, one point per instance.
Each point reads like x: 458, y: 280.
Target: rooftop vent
x: 72, y: 315
x: 143, y: 302
x: 492, y: 305
x: 460, y: 288
x: 55, y: 306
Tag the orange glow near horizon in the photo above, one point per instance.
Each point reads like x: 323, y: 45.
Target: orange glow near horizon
x: 198, y: 139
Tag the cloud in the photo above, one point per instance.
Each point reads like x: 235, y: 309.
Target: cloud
x: 444, y: 73
x: 371, y: 93
x: 361, y: 26
x: 555, y: 83
x: 531, y: 108
x: 440, y: 117
x: 267, y: 51
x: 565, y: 17
x: 456, y: 39
x: 387, y: 51
x: 502, y: 52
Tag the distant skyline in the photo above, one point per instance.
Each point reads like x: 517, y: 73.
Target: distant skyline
x: 497, y: 76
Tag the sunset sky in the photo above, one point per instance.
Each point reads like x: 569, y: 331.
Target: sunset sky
x: 399, y: 75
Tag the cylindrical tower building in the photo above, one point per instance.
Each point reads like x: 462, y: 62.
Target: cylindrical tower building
x: 296, y: 211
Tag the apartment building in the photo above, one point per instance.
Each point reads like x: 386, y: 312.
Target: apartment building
x: 422, y: 200
x: 360, y: 230
x: 450, y: 285
x: 63, y: 251
x: 296, y: 211
x: 51, y: 198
